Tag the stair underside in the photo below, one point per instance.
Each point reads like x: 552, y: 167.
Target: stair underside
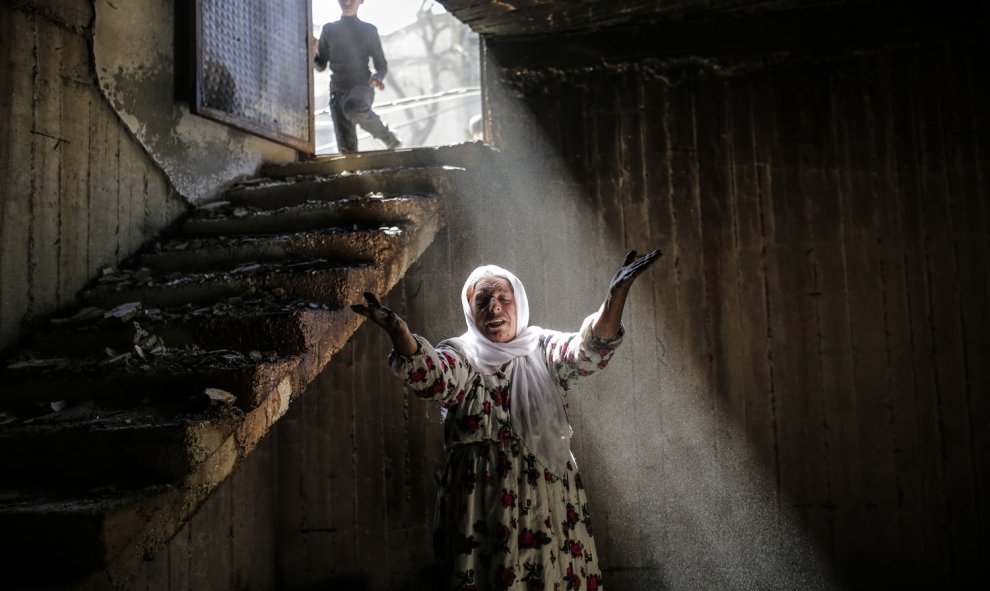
x: 145, y: 399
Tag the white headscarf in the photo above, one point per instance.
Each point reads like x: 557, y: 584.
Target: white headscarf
x: 537, y: 410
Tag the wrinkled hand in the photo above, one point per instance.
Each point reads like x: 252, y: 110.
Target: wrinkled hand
x: 631, y: 269
x: 378, y: 84
x: 397, y: 330
x: 379, y: 314
x: 609, y: 321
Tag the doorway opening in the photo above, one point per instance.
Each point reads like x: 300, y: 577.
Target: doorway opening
x: 432, y: 93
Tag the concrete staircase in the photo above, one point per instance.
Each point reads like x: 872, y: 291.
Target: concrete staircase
x: 118, y: 419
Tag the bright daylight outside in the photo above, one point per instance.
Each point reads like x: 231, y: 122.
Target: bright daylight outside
x: 432, y: 89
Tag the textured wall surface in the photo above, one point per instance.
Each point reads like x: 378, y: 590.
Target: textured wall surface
x: 802, y: 401
x: 78, y: 193
x: 143, y: 66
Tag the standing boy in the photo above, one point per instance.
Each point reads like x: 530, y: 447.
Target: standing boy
x: 346, y: 46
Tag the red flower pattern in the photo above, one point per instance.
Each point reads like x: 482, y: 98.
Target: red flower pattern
x: 469, y: 423
x: 465, y: 544
x: 504, y: 464
x: 594, y: 582
x: 499, y: 398
x: 576, y: 549
x: 573, y: 581
x: 527, y: 539
x: 532, y: 539
x: 504, y: 577
x: 503, y: 533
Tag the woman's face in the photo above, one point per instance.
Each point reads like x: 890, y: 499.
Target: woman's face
x: 494, y: 307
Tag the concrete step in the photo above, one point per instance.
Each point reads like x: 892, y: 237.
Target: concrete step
x: 97, y: 532
x: 341, y: 245
x: 89, y: 447
x: 273, y: 193
x: 58, y: 542
x: 170, y: 377
x: 260, y: 323
x: 354, y: 213
x: 322, y: 282
x: 467, y: 155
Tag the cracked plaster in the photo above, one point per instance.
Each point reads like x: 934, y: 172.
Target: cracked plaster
x: 134, y: 55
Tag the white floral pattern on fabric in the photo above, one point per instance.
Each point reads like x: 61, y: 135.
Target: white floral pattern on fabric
x: 505, y: 522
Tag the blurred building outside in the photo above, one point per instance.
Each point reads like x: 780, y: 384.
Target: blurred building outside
x: 432, y: 90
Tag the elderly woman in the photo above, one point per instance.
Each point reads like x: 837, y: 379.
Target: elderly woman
x: 512, y: 512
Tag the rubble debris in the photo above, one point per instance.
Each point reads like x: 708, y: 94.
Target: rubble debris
x: 214, y: 205
x: 34, y: 364
x: 220, y: 396
x: 117, y: 359
x: 246, y: 268
x: 139, y: 333
x: 84, y: 315
x: 124, y: 312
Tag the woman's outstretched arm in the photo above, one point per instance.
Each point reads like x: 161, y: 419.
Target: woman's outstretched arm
x: 397, y: 329
x: 609, y: 320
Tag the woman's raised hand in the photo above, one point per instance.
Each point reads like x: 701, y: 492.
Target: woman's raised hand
x: 378, y: 313
x: 631, y: 268
x: 609, y: 320
x: 395, y: 326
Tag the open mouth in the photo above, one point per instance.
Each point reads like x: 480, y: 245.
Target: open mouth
x: 495, y: 323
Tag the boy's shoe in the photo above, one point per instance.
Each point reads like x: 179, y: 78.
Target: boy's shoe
x: 391, y: 141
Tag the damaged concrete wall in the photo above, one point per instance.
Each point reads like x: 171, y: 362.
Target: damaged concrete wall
x: 137, y: 61
x: 78, y: 193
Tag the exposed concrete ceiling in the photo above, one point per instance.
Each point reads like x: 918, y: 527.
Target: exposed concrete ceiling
x: 523, y: 18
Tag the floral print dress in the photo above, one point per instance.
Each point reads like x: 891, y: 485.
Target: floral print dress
x: 504, y: 522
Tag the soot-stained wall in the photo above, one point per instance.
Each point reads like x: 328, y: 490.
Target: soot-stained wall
x: 78, y: 193
x: 802, y: 402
